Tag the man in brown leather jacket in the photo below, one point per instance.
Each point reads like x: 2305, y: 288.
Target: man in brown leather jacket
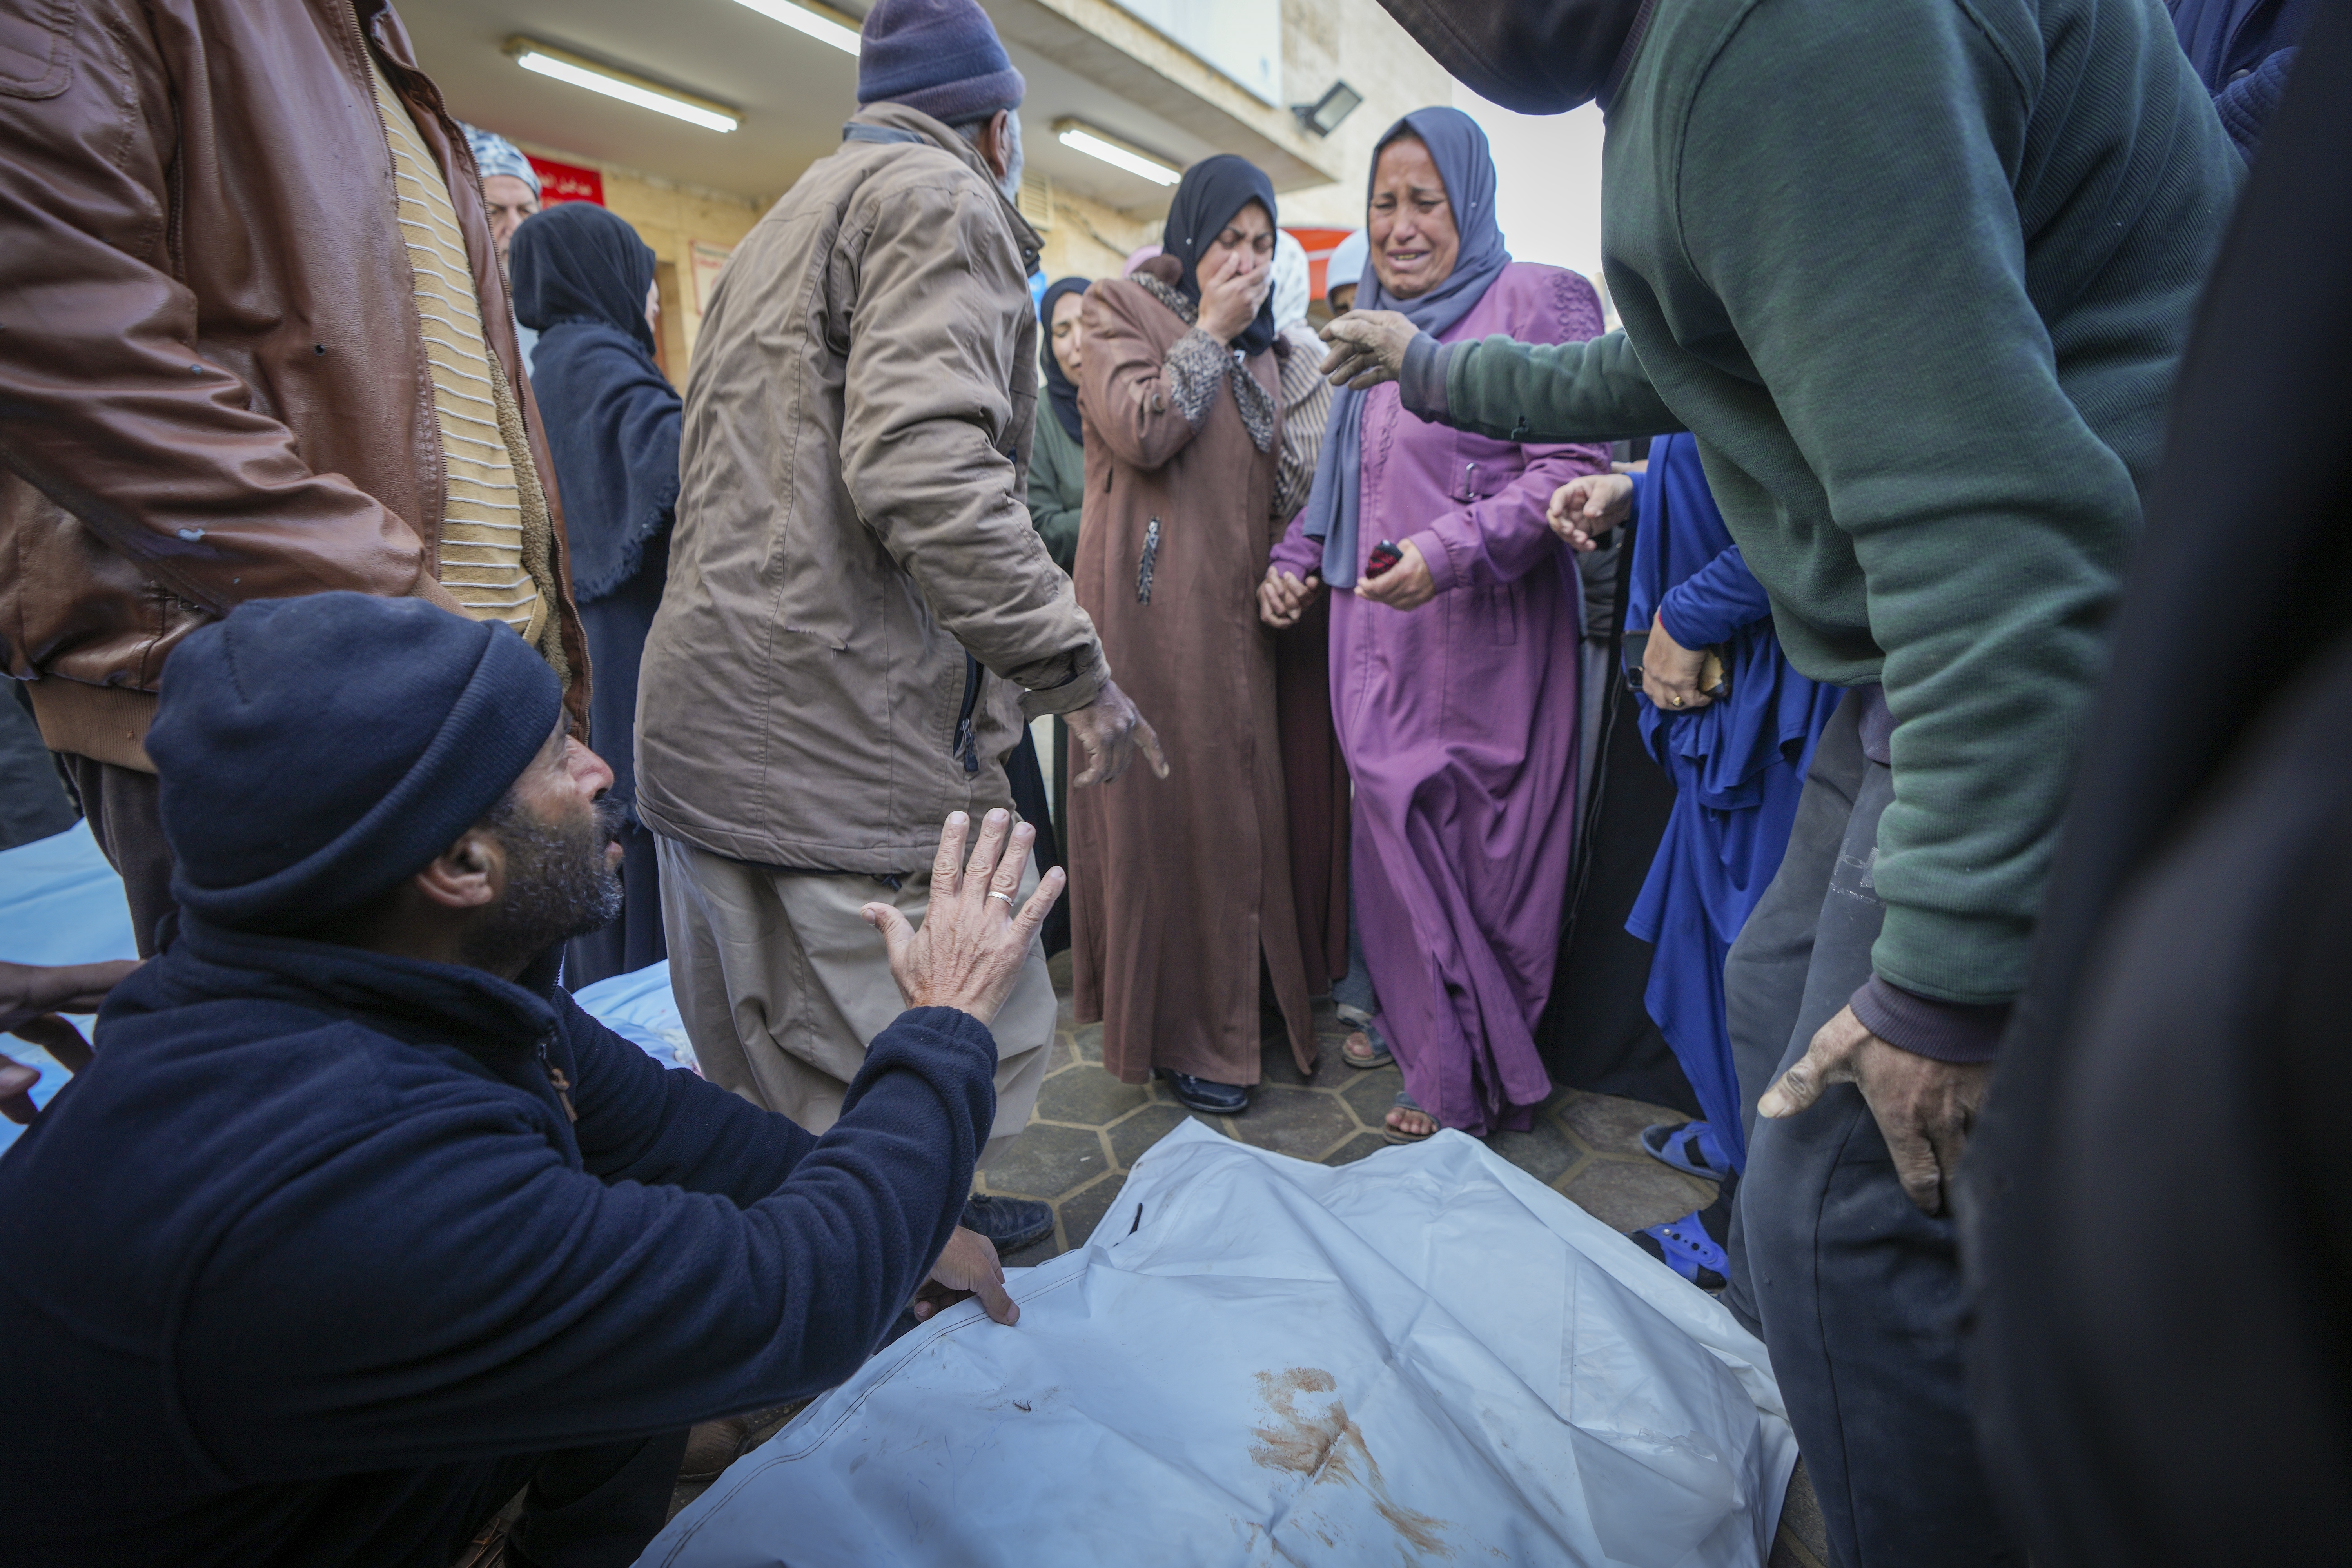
x: 254, y: 345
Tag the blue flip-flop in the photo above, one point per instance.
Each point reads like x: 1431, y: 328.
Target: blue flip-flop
x: 1687, y: 1249
x: 1680, y: 1145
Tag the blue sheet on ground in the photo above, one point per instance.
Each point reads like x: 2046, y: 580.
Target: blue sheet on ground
x: 60, y: 902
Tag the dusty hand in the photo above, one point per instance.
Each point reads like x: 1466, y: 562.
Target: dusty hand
x: 1366, y: 347
x: 1282, y: 599
x: 1230, y: 295
x: 1111, y: 730
x: 968, y: 1267
x: 972, y: 945
x: 1588, y: 507
x: 1924, y: 1107
x: 1670, y: 671
x: 1407, y: 585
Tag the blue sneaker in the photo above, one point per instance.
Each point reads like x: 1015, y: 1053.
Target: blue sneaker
x: 1684, y: 1246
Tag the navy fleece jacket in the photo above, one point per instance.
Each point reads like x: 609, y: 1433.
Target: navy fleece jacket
x: 313, y: 1244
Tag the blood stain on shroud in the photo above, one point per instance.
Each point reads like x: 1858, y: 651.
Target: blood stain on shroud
x: 1326, y: 1445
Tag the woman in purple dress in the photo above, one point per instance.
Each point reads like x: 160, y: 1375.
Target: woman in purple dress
x: 1453, y: 672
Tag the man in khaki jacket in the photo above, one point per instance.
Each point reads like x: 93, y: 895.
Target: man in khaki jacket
x: 254, y: 345
x: 860, y: 616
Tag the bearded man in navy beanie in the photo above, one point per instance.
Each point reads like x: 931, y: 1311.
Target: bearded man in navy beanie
x: 357, y: 1226
x: 861, y: 620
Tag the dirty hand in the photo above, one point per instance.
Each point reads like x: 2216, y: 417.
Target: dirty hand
x: 973, y: 944
x: 968, y: 1267
x: 1670, y: 671
x: 1231, y: 295
x: 1282, y: 599
x: 1924, y: 1107
x: 1110, y: 729
x: 1407, y: 585
x: 1366, y: 347
x: 1589, y: 506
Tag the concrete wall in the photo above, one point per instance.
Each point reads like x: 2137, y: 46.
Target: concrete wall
x: 1355, y: 41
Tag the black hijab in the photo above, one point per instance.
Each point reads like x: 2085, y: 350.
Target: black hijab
x: 581, y: 264
x: 612, y: 418
x: 1058, y: 384
x: 1213, y: 191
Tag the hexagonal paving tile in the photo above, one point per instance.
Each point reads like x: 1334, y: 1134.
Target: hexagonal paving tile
x: 1355, y: 1148
x: 1609, y: 1125
x: 1370, y: 1093
x: 1046, y: 1162
x: 1543, y: 1152
x: 1624, y: 1195
x: 1087, y: 1094
x: 1300, y: 1122
x: 1131, y: 1137
x: 1081, y: 1210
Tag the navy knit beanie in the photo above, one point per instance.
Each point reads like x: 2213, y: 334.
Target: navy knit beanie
x: 941, y: 57
x: 315, y: 753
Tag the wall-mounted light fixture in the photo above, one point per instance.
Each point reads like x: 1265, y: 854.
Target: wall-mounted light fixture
x: 819, y: 22
x: 1323, y: 116
x: 561, y: 65
x: 1080, y: 137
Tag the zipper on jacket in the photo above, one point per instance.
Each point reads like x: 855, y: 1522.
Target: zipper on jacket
x: 561, y: 1084
x: 967, y: 737
x: 1149, y: 563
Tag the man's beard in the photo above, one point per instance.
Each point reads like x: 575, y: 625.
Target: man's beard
x: 559, y: 884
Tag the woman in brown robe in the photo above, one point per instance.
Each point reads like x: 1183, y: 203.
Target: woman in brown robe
x: 1180, y: 892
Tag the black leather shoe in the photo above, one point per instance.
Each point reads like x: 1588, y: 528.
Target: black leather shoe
x: 1010, y: 1222
x: 1208, y: 1099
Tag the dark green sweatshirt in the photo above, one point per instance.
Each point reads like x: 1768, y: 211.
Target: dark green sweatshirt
x: 1917, y: 274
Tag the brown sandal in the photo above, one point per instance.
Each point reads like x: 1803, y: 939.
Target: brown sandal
x: 1406, y: 1102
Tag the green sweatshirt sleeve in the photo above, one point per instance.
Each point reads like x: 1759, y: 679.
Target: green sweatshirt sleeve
x: 1548, y: 393
x: 1057, y: 480
x: 1870, y: 257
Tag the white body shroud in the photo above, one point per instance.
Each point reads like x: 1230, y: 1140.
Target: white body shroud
x: 1422, y: 1357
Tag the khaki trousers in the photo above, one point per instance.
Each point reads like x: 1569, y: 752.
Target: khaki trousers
x: 783, y: 984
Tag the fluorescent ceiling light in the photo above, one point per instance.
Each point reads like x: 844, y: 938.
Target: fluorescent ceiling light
x: 816, y: 24
x: 566, y: 67
x: 1084, y: 138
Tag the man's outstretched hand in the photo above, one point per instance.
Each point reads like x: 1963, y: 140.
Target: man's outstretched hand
x: 1366, y: 347
x: 1924, y: 1107
x: 1112, y: 731
x: 968, y: 1267
x: 973, y: 944
x: 31, y: 998
x: 29, y: 990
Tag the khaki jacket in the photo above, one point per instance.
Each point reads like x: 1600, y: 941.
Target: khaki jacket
x: 860, y: 616
x: 211, y: 362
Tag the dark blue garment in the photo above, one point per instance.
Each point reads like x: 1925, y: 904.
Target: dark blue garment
x: 1739, y: 766
x: 2241, y: 50
x: 612, y: 418
x: 313, y: 1245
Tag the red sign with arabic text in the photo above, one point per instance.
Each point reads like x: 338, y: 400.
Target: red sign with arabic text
x: 566, y: 182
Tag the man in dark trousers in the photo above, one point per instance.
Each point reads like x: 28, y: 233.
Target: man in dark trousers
x: 1917, y: 275
x: 357, y: 1224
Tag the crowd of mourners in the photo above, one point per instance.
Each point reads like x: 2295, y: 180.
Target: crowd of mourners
x: 418, y: 656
